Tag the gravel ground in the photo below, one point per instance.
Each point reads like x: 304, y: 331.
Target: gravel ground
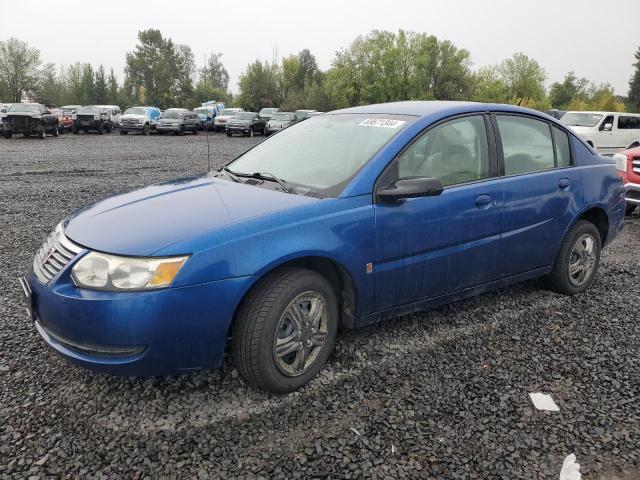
x: 438, y: 395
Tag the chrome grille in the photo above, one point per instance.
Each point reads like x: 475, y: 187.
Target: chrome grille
x: 635, y: 164
x: 54, y: 254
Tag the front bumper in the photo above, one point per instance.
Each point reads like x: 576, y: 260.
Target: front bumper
x: 632, y: 193
x: 136, y: 334
x: 131, y: 127
x: 168, y: 128
x: 238, y: 128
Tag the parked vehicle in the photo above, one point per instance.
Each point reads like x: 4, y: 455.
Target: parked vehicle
x: 139, y: 119
x: 220, y: 121
x: 356, y: 217
x: 29, y: 119
x: 267, y: 113
x: 245, y: 123
x: 114, y: 113
x: 280, y: 121
x: 607, y: 132
x: 628, y: 165
x: 206, y: 116
x: 57, y: 112
x: 92, y: 118
x: 3, y: 110
x: 303, y: 114
x: 555, y: 113
x: 66, y: 118
x: 178, y: 121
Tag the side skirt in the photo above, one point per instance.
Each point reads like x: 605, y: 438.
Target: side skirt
x: 423, y: 305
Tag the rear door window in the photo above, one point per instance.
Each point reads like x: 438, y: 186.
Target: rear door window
x: 526, y: 144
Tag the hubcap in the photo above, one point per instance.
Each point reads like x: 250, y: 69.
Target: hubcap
x: 582, y: 260
x: 301, y: 334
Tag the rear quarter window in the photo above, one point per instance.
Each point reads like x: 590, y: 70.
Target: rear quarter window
x: 526, y: 144
x: 563, y: 151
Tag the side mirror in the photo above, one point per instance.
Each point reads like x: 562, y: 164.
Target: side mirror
x: 410, y: 187
x: 4, y: 110
x: 607, y: 127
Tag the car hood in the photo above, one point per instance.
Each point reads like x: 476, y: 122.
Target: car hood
x: 146, y: 220
x: 132, y: 116
x: 224, y: 117
x: 23, y: 114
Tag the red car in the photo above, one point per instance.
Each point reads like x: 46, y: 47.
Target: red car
x: 628, y: 165
x: 66, y: 118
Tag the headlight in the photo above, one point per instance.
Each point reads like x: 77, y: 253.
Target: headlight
x: 621, y: 162
x: 109, y: 272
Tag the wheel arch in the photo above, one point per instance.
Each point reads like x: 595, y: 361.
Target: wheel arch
x: 332, y: 270
x: 595, y: 214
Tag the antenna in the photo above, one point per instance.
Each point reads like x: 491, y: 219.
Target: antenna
x: 209, y: 127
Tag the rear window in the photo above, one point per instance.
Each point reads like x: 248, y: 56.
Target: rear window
x: 628, y: 122
x: 563, y: 151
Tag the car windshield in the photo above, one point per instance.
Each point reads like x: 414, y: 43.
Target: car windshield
x: 68, y: 111
x: 228, y: 111
x: 267, y: 111
x: 173, y: 114
x: 201, y: 111
x: 323, y: 153
x: 244, y: 115
x: 136, y: 111
x: 579, y: 119
x: 24, y: 107
x: 302, y: 113
x: 91, y: 110
x: 282, y: 116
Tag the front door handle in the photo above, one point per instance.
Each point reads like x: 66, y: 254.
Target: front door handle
x: 564, y: 184
x: 483, y: 201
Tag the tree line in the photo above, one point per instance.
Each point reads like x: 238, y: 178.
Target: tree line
x: 382, y: 66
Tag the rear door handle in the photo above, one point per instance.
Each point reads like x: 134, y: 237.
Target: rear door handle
x: 483, y: 201
x: 564, y: 183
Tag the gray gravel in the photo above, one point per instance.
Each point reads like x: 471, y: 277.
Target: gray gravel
x: 438, y: 395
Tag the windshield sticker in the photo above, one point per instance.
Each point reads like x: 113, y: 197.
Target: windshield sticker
x: 382, y: 123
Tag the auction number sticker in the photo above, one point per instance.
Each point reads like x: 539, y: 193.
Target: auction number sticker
x: 382, y: 123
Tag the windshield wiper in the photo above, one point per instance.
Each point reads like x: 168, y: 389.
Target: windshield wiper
x: 269, y: 176
x: 231, y: 175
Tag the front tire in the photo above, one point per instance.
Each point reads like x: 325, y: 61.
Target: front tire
x: 251, y: 133
x: 8, y: 135
x: 578, y: 259
x: 285, y: 330
x: 629, y: 209
x: 42, y: 133
x: 56, y: 131
x: 101, y: 129
x: 145, y: 130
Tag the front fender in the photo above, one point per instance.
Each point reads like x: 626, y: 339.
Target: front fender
x: 340, y: 229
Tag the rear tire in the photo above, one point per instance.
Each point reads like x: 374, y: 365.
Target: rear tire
x: 100, y: 129
x: 228, y: 134
x: 123, y: 132
x: 285, y: 330
x: 75, y: 130
x: 55, y: 131
x: 578, y: 259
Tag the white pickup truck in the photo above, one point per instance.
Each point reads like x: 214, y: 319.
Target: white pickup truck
x: 607, y: 132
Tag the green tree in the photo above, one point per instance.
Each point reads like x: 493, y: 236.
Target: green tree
x: 112, y: 89
x: 87, y: 85
x: 50, y: 89
x: 214, y: 73
x: 158, y: 72
x: 19, y: 67
x: 260, y: 86
x: 100, y: 86
x: 524, y: 77
x: 572, y: 88
x: 489, y: 86
x: 633, y: 97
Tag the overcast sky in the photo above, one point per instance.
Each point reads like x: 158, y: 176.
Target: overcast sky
x: 594, y: 38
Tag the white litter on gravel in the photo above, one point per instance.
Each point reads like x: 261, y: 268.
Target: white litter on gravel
x: 542, y: 401
x: 570, y: 469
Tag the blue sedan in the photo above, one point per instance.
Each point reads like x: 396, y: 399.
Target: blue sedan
x: 346, y: 219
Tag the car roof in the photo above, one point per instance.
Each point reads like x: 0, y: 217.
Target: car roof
x: 594, y: 112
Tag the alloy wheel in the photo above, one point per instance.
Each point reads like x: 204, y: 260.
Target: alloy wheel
x: 582, y: 260
x: 301, y: 334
